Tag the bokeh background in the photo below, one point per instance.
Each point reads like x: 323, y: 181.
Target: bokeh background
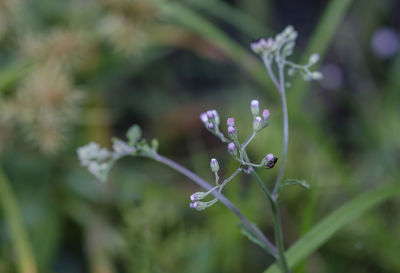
x: 81, y: 70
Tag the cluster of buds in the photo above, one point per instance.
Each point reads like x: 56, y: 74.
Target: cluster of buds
x: 282, y: 46
x: 259, y: 122
x: 197, y: 196
x: 210, y: 119
x: 97, y: 160
x: 284, y: 41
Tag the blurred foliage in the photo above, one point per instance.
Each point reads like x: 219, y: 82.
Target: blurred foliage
x: 75, y: 71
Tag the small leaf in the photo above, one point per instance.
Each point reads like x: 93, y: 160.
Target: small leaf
x: 289, y: 182
x: 133, y: 134
x: 246, y: 232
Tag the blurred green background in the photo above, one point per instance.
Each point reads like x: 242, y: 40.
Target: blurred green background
x: 81, y: 70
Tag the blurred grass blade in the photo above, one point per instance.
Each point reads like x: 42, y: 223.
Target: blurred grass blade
x: 12, y: 73
x: 218, y: 38
x: 25, y: 260
x: 237, y: 18
x: 320, y: 40
x: 325, y: 229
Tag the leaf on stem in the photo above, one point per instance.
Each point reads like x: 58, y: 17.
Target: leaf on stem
x: 290, y: 182
x: 249, y: 234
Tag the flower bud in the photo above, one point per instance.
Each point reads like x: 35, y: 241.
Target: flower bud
x: 214, y: 165
x: 230, y: 122
x: 257, y: 124
x: 198, y: 205
x: 204, y: 117
x: 232, y: 132
x: 254, y: 106
x: 232, y: 148
x: 271, y: 160
x: 314, y: 58
x: 259, y: 46
x: 316, y: 75
x: 265, y: 114
x: 216, y: 116
x: 198, y: 196
x: 210, y: 126
x: 265, y: 118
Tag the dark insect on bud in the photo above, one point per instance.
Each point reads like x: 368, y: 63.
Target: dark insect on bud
x: 272, y: 163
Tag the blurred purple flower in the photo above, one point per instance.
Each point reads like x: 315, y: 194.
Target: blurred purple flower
x: 385, y: 42
x: 333, y: 76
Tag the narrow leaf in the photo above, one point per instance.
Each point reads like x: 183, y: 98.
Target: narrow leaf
x: 325, y: 229
x: 290, y: 182
x: 251, y: 237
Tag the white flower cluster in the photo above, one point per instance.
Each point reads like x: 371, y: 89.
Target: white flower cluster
x: 283, y: 43
x: 282, y: 46
x: 97, y: 160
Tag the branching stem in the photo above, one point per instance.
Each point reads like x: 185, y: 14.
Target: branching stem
x: 202, y: 183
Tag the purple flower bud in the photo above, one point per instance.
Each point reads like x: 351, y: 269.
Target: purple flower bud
x: 265, y: 114
x: 231, y: 147
x: 230, y: 122
x: 270, y: 43
x: 254, y: 103
x: 271, y: 160
x: 204, y: 117
x: 261, y: 45
x: 198, y: 205
x: 257, y: 124
x: 210, y: 126
x: 214, y: 165
x: 254, y: 106
x: 210, y: 114
x: 198, y: 196
x: 232, y: 132
x: 269, y: 157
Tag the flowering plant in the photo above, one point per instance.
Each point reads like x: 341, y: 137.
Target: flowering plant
x: 274, y: 53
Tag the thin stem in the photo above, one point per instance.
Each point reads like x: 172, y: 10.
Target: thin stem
x: 273, y: 198
x: 202, y: 183
x: 25, y: 260
x: 277, y: 224
x: 244, y: 145
x: 238, y: 170
x: 285, y: 130
x: 267, y: 65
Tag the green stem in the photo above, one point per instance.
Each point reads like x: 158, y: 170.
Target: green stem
x: 277, y: 225
x: 244, y: 145
x: 273, y: 198
x: 285, y: 144
x: 201, y: 182
x: 26, y: 262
